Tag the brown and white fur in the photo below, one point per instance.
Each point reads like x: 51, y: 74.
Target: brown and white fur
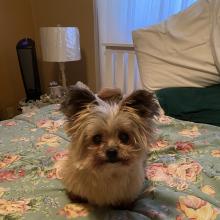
x: 110, y: 136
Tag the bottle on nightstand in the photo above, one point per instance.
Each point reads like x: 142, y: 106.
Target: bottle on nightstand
x: 56, y: 91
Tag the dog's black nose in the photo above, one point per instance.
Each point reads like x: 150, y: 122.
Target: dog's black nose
x: 112, y: 155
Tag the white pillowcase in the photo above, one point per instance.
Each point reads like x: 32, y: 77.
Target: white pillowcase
x: 183, y: 51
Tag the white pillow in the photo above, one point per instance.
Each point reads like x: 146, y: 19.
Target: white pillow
x: 182, y: 51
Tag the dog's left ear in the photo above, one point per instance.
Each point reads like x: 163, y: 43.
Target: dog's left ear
x: 76, y: 99
x: 143, y: 102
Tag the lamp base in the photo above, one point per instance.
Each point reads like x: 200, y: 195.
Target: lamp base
x: 62, y: 70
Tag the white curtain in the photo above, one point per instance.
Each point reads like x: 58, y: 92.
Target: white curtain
x: 118, y: 18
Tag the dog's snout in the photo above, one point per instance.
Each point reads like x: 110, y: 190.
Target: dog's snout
x: 112, y: 155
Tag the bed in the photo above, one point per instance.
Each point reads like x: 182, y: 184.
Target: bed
x: 183, y: 168
x: 182, y: 175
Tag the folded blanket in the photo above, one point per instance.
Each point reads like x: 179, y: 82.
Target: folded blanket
x: 192, y: 104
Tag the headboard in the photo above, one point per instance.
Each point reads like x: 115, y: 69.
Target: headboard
x: 120, y: 67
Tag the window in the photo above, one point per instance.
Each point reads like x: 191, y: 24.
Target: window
x: 118, y: 18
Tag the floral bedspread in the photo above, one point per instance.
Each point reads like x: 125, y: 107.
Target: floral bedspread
x: 182, y: 175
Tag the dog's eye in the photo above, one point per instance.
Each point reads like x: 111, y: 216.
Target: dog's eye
x: 124, y: 137
x: 97, y: 139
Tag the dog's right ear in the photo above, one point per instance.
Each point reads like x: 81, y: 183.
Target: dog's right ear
x: 76, y: 100
x: 143, y: 102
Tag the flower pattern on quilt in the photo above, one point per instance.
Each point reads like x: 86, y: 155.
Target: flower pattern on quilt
x: 196, y: 208
x: 50, y: 125
x: 20, y: 139
x: 207, y: 189
x: 190, y: 132
x: 75, y: 210
x: 163, y: 119
x: 8, y: 160
x: 18, y: 207
x: 11, y: 175
x: 56, y: 171
x: 215, y: 153
x: 178, y: 175
x: 184, y: 146
x: 60, y: 155
x: 8, y: 123
x: 49, y: 140
x: 30, y: 114
x: 159, y: 144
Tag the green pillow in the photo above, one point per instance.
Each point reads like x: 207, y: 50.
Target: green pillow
x: 200, y: 105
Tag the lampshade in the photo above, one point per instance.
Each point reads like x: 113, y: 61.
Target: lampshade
x: 60, y: 44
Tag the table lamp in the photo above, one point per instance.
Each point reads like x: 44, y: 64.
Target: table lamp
x: 60, y: 44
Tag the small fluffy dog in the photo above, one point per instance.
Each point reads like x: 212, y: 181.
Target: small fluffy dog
x: 110, y: 136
